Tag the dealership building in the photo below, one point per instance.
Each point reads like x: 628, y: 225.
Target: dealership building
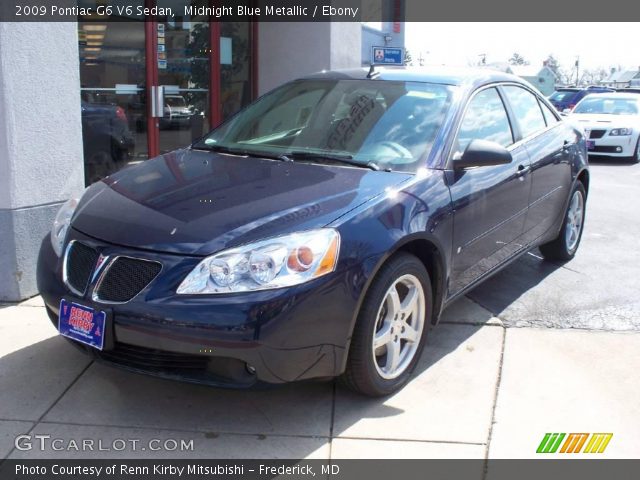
x: 80, y: 100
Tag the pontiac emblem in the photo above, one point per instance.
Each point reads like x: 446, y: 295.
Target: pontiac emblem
x: 99, y: 264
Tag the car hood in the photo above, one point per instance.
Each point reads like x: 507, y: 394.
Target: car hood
x: 196, y: 202
x: 604, y: 121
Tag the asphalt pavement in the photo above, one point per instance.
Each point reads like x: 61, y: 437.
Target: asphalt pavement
x: 598, y: 289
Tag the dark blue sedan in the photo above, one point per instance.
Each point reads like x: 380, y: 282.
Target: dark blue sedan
x: 319, y: 232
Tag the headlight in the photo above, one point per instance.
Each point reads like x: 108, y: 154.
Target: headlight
x: 61, y: 224
x: 619, y: 132
x: 273, y: 263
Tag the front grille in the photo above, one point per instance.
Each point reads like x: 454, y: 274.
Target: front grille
x: 597, y: 134
x: 152, y: 360
x: 78, y: 267
x: 125, y: 278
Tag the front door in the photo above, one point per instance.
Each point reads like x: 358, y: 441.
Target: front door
x: 490, y: 203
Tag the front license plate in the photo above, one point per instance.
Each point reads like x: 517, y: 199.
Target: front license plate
x: 82, y: 323
x: 591, y: 144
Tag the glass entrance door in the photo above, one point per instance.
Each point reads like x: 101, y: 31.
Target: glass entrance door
x: 183, y: 81
x: 155, y: 86
x: 113, y: 95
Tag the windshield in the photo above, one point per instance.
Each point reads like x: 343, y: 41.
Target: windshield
x: 390, y: 124
x: 563, y: 95
x: 608, y: 105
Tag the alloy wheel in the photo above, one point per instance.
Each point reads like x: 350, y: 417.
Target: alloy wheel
x: 399, y: 326
x: 575, y: 217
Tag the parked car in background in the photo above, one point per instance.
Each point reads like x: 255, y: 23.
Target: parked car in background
x: 177, y: 114
x: 319, y: 232
x: 108, y: 141
x: 612, y: 124
x: 566, y: 98
x: 629, y: 90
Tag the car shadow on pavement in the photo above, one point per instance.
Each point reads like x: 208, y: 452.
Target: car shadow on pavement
x: 613, y: 161
x: 497, y: 293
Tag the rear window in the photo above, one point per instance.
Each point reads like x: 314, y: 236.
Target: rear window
x: 562, y: 96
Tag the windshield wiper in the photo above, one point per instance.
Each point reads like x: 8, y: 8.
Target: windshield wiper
x: 329, y: 157
x: 240, y: 151
x: 291, y: 156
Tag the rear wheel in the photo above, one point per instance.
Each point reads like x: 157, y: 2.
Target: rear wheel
x: 636, y: 157
x: 391, y: 328
x: 565, y: 245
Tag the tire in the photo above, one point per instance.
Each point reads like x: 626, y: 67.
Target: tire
x: 636, y: 158
x: 370, y: 371
x: 564, y: 247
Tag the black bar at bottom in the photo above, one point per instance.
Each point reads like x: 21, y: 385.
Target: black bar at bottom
x: 543, y: 469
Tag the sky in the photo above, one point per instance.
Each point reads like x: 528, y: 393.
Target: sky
x: 597, y: 44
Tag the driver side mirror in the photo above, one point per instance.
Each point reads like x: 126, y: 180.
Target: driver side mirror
x: 482, y: 153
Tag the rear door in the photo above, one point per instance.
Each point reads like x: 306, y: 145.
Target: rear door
x: 549, y: 144
x: 490, y: 203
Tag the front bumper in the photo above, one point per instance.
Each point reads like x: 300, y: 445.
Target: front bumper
x: 235, y: 340
x: 623, y: 146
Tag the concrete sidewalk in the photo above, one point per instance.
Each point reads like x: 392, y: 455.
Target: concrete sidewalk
x: 480, y: 390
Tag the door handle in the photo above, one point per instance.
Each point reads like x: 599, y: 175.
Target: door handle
x: 567, y: 145
x: 522, y: 170
x: 157, y: 101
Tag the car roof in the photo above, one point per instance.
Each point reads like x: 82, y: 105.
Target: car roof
x: 621, y: 95
x: 469, y: 77
x: 590, y: 88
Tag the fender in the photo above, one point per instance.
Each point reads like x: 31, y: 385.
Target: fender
x: 439, y: 277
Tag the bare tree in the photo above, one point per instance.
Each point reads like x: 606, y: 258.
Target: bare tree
x: 593, y: 76
x: 553, y: 64
x: 517, y: 59
x: 408, y: 59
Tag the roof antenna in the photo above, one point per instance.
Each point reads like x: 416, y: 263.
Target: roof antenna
x: 372, y: 72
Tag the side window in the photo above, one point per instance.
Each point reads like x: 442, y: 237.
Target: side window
x: 549, y: 117
x: 485, y: 119
x: 526, y: 110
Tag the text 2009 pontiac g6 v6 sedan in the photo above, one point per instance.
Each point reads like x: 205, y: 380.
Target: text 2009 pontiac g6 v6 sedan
x: 319, y: 232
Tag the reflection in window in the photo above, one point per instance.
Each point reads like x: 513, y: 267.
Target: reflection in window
x: 393, y: 124
x: 112, y: 80
x: 526, y: 109
x: 485, y: 119
x: 235, y: 67
x: 549, y: 116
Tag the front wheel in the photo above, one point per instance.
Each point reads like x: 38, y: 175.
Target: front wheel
x: 391, y: 328
x: 635, y: 158
x: 565, y: 245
